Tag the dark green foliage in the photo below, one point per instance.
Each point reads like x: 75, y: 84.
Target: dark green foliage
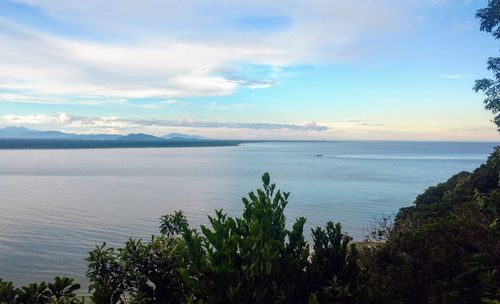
x: 144, y: 272
x: 446, y: 248
x: 8, y: 292
x: 173, y: 224
x: 490, y: 21
x: 106, y: 276
x: 256, y: 259
x: 253, y: 259
x: 151, y: 270
x: 63, y: 290
x: 490, y: 18
x: 333, y: 274
x: 34, y: 293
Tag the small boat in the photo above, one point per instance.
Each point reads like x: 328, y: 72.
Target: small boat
x: 319, y: 154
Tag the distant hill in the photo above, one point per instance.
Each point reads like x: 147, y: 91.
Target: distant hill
x: 25, y: 133
x: 140, y: 137
x: 183, y: 137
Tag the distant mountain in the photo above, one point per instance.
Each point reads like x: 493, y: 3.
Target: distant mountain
x: 22, y: 132
x: 140, y: 137
x: 183, y: 137
x: 25, y: 133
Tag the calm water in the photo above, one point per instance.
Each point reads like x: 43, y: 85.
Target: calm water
x: 55, y: 205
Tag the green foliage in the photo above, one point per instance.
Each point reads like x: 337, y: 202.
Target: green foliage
x: 253, y: 259
x: 256, y: 259
x: 61, y: 291
x: 8, y: 292
x: 151, y: 270
x: 106, y: 276
x: 34, y: 293
x: 334, y: 275
x: 490, y: 21
x: 445, y: 248
x: 490, y: 18
x: 173, y: 224
x: 63, y: 288
x: 144, y: 272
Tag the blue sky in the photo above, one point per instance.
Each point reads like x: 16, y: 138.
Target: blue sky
x: 317, y: 69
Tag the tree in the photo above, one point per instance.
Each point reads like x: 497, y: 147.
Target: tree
x: 173, y: 224
x: 490, y: 23
x: 106, y: 276
x: 334, y: 275
x: 63, y: 290
x: 253, y: 259
x: 34, y: 293
x: 256, y: 259
x: 8, y: 292
x: 150, y: 269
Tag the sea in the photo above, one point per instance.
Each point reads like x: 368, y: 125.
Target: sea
x: 58, y: 204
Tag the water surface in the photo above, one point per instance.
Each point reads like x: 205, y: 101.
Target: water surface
x: 55, y: 205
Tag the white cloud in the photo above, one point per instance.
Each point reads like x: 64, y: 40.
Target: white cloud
x: 174, y: 49
x: 83, y: 123
x: 37, y: 119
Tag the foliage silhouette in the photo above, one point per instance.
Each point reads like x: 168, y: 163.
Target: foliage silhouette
x: 8, y: 292
x: 256, y: 259
x: 446, y: 248
x: 106, y: 276
x: 490, y: 23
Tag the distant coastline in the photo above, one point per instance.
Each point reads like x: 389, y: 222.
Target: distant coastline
x: 51, y: 143
x: 25, y: 143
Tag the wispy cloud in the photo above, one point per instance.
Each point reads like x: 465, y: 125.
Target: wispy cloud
x: 454, y: 76
x: 230, y: 125
x: 171, y: 49
x: 75, y: 121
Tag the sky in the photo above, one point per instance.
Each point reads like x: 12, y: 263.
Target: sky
x: 297, y: 69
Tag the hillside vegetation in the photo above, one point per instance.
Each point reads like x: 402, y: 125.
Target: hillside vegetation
x: 445, y: 248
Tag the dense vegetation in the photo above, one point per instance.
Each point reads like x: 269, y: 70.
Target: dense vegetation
x: 445, y: 248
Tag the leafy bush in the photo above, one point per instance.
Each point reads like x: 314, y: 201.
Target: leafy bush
x: 61, y: 291
x: 145, y: 272
x: 106, y: 276
x: 255, y: 259
x: 151, y: 270
x: 334, y: 274
x: 8, y: 293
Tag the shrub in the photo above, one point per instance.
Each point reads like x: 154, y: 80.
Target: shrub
x: 151, y: 269
x: 106, y: 276
x: 8, y: 293
x: 256, y: 259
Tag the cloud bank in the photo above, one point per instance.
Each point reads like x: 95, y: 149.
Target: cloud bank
x: 88, y: 52
x: 115, y: 124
